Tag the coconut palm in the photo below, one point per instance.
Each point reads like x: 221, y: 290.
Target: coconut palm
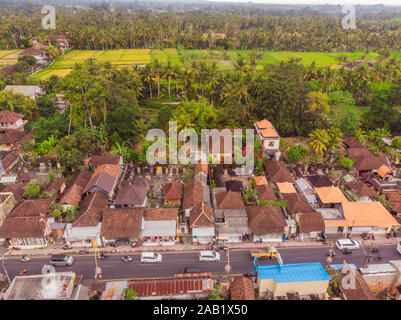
x: 318, y: 141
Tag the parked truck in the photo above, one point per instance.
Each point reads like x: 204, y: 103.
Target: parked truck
x: 268, y: 252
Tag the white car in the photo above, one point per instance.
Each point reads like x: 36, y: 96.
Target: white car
x: 347, y: 244
x: 151, y: 257
x: 209, y: 256
x: 399, y: 247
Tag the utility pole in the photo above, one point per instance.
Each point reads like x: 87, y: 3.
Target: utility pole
x: 4, y: 268
x: 228, y: 266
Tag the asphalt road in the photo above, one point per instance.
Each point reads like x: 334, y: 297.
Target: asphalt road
x: 240, y: 261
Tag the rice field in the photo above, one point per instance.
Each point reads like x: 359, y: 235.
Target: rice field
x: 9, y: 57
x: 224, y: 59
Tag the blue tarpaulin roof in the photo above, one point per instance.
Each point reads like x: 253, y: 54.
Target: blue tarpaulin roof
x: 340, y: 266
x: 294, y: 272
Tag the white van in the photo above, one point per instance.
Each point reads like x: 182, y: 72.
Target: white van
x: 209, y: 256
x: 399, y: 247
x: 151, y: 257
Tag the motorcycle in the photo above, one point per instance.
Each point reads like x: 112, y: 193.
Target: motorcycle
x: 24, y: 272
x: 25, y: 259
x: 67, y: 247
x: 374, y: 250
x: 83, y: 251
x: 135, y: 245
x: 102, y: 256
x: 115, y: 250
x: 126, y: 259
x: 331, y: 253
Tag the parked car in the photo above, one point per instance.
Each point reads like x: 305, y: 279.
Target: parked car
x: 209, y: 256
x: 190, y: 270
x: 347, y: 244
x: 61, y: 260
x: 399, y: 247
x: 151, y: 257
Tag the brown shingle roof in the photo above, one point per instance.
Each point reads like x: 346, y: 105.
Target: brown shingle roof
x: 23, y: 227
x: 229, y: 200
x: 122, y: 223
x: 16, y: 189
x: 133, y: 194
x: 277, y: 171
x: 265, y: 192
x: 265, y: 219
x: 32, y: 52
x: 103, y: 181
x: 351, y: 142
x: 242, y: 289
x: 373, y: 163
x: 73, y: 194
x: 319, y: 181
x: 9, y: 160
x: 91, y: 210
x: 104, y: 159
x: 32, y: 208
x: 201, y: 216
x: 362, y: 189
x: 54, y: 186
x: 160, y: 214
x: 173, y: 191
x: 354, y: 153
x: 361, y: 290
x: 296, y: 203
x: 12, y: 136
x: 192, y: 195
x: 311, y: 222
x: 9, y: 116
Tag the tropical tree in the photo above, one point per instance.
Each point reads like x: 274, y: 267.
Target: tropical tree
x: 318, y: 141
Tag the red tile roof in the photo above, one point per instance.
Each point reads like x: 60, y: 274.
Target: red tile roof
x: 73, y: 194
x: 10, y: 117
x: 277, y: 171
x: 160, y: 214
x: 23, y: 227
x: 173, y: 191
x: 265, y: 219
x: 32, y: 208
x: 242, y: 289
x: 122, y: 223
x: 229, y: 200
x: 311, y: 222
x: 192, y: 194
x: 201, y: 216
x: 91, y: 210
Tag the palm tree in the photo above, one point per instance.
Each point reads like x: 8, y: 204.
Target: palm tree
x: 119, y: 149
x: 318, y: 140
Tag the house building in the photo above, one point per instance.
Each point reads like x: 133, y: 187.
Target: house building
x: 395, y: 198
x: 193, y: 195
x: 230, y: 215
x: 268, y: 136
x: 296, y: 203
x: 173, y: 194
x: 382, y: 275
x: 86, y: 227
x: 122, y: 224
x: 73, y: 193
x: 11, y: 120
x: 265, y: 192
x: 358, y: 217
x: 328, y: 196
x: 7, y: 203
x: 201, y: 223
x: 8, y: 162
x: 104, y: 179
x: 303, y: 278
x: 320, y: 181
x: 234, y: 185
x: 278, y: 172
x: 286, y: 187
x: 39, y: 55
x: 29, y: 91
x: 361, y: 190
x: 56, y: 187
x: 10, y: 139
x: 98, y: 160
x: 39, y: 46
x: 28, y: 225
x: 260, y: 180
x: 16, y: 189
x: 267, y: 223
x: 311, y: 225
x: 133, y: 195
x: 307, y: 191
x: 60, y: 40
x: 160, y: 226
x: 242, y: 289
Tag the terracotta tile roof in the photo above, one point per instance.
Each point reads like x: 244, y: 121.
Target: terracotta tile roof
x: 351, y: 142
x: 32, y: 52
x: 111, y: 169
x: 395, y: 198
x: 354, y: 153
x: 73, y: 193
x: 23, y: 227
x: 242, y: 289
x: 192, y: 194
x: 296, y: 203
x: 384, y: 170
x: 160, y: 214
x: 16, y: 189
x: 32, y: 208
x: 91, y: 210
x: 286, y: 187
x: 134, y: 194
x: 265, y: 192
x: 311, y: 222
x: 229, y: 200
x: 330, y: 195
x: 266, y: 129
x: 320, y: 181
x: 9, y: 160
x: 373, y: 163
x: 364, y: 214
x: 173, y: 191
x: 122, y: 223
x: 170, y: 286
x: 265, y: 219
x: 201, y: 216
x: 277, y: 171
x: 104, y: 159
x: 12, y: 136
x: 361, y: 290
x: 362, y: 189
x: 260, y: 180
x: 234, y: 185
x: 55, y: 186
x: 10, y: 117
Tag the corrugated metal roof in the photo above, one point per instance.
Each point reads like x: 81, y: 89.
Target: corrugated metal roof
x: 294, y: 272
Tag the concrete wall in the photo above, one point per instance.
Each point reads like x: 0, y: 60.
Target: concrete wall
x: 279, y: 289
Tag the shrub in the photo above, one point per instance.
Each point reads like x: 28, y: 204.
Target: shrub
x: 296, y: 153
x: 396, y: 143
x: 345, y: 162
x: 33, y: 189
